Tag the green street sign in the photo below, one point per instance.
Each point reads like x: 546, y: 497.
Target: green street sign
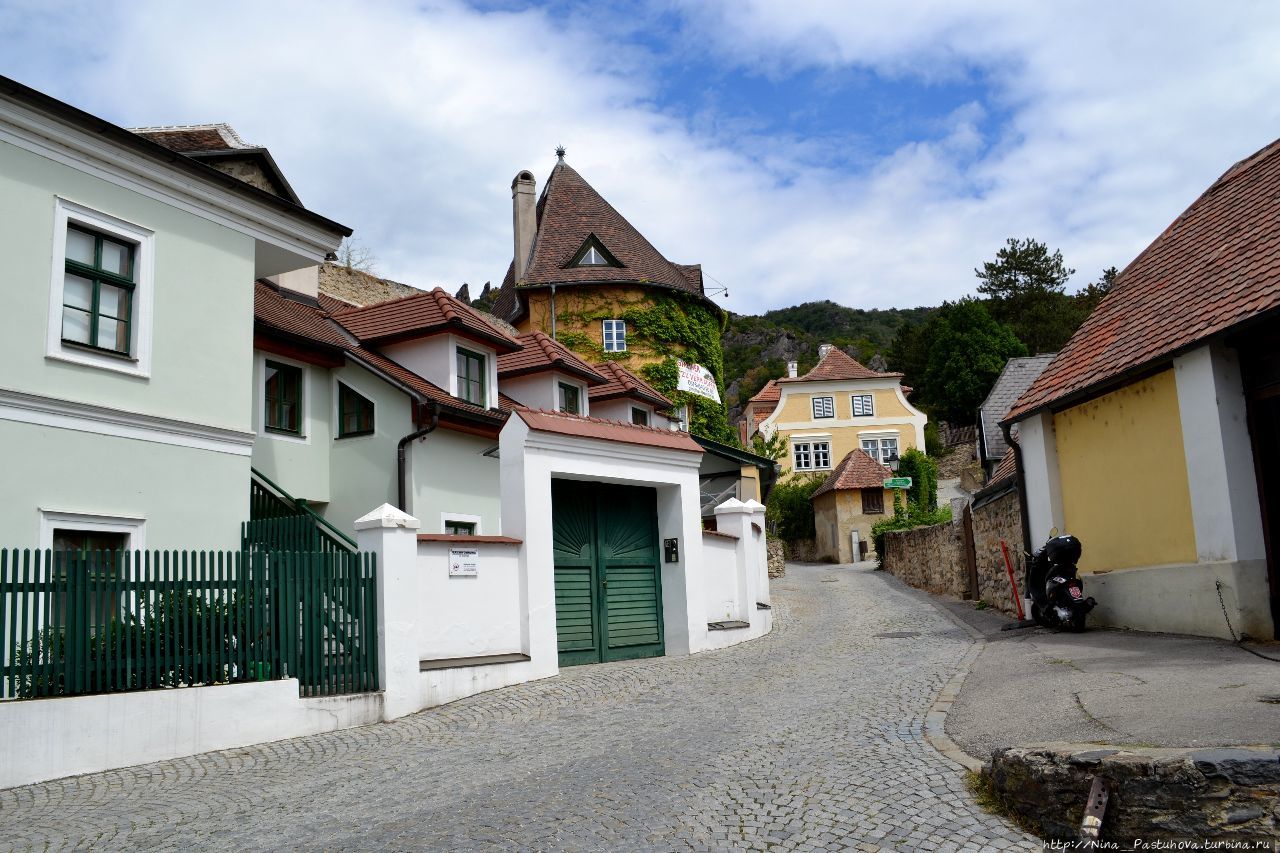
x: 898, y: 483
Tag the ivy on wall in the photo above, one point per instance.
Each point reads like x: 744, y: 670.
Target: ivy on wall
x: 665, y: 325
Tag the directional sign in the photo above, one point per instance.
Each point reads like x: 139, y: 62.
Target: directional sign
x: 898, y: 483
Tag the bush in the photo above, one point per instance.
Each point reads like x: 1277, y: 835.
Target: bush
x: 790, y: 509
x: 933, y: 441
x: 923, y: 472
x: 905, y: 516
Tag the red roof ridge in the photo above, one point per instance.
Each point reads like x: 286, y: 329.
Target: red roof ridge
x: 595, y: 420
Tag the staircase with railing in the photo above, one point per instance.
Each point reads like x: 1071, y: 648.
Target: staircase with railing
x: 278, y: 520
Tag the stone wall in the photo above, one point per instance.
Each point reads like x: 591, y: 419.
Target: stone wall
x: 802, y: 550
x: 929, y: 558
x: 777, y: 558
x: 992, y: 522
x: 1155, y: 794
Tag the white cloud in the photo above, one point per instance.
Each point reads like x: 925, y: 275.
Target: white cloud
x: 407, y: 122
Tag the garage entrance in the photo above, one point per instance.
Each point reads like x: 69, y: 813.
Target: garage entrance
x: 608, y: 576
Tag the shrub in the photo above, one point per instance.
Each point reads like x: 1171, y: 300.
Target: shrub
x: 933, y: 441
x: 790, y: 509
x: 906, y: 515
x: 923, y: 472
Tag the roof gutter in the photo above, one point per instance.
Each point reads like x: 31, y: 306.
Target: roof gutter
x: 1022, y: 485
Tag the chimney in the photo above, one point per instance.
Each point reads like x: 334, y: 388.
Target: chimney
x: 823, y: 349
x: 524, y: 220
x: 793, y: 368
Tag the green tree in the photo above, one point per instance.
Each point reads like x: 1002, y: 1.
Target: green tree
x: 1026, y: 288
x: 923, y: 472
x: 790, y: 508
x: 967, y: 350
x: 1088, y: 299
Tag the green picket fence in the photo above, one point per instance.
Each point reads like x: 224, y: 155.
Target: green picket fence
x: 81, y: 622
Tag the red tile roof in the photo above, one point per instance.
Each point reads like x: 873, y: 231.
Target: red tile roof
x: 570, y: 211
x: 1216, y: 266
x: 837, y: 364
x: 857, y: 470
x: 194, y: 138
x: 275, y: 311
x: 419, y: 315
x: 1006, y: 470
x: 621, y: 382
x: 770, y: 393
x: 539, y: 353
x: 584, y: 427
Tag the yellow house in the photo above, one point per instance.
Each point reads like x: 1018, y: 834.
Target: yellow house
x: 1154, y: 435
x: 836, y: 408
x: 847, y: 504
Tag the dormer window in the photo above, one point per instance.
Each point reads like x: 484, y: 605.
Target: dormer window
x: 593, y: 254
x: 471, y: 374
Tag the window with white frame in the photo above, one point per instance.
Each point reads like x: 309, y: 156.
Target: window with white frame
x: 880, y: 448
x: 824, y: 407
x: 811, y: 455
x: 615, y: 336
x: 100, y: 295
x: 89, y: 545
x: 862, y: 405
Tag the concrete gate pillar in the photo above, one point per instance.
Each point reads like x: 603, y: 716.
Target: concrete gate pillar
x: 393, y: 536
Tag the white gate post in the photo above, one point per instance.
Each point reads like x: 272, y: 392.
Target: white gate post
x: 393, y: 536
x: 734, y: 517
x: 759, y: 554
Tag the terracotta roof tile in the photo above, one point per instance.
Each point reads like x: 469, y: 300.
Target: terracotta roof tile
x: 1216, y: 266
x: 770, y: 393
x: 837, y: 364
x: 295, y: 318
x: 539, y: 353
x: 620, y: 382
x: 570, y: 211
x: 424, y: 313
x: 194, y: 138
x: 856, y: 470
x: 585, y: 427
x: 1006, y: 470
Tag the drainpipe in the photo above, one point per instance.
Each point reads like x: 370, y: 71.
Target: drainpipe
x: 402, y: 466
x: 1022, y: 485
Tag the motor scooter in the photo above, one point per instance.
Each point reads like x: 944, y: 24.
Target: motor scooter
x: 1057, y: 593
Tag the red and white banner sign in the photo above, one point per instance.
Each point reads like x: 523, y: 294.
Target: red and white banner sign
x: 696, y: 379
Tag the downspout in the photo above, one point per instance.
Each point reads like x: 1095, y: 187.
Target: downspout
x: 1022, y: 485
x: 402, y: 467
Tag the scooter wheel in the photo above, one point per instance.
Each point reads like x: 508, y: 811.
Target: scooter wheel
x: 1039, y: 616
x: 1076, y: 624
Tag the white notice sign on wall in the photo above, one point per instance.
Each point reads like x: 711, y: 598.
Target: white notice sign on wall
x: 464, y: 562
x: 696, y: 379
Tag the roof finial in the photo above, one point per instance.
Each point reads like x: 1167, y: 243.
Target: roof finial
x: 559, y: 153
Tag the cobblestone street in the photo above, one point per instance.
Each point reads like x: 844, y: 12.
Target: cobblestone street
x: 810, y: 738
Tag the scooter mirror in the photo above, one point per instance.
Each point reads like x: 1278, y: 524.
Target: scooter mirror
x: 1053, y: 532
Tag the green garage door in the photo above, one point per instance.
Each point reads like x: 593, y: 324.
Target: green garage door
x: 607, y: 574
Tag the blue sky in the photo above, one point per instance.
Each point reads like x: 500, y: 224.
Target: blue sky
x: 868, y: 152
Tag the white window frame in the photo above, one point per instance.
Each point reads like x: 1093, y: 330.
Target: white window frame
x: 446, y: 517
x: 870, y: 411
x: 828, y: 407
x: 619, y: 330
x: 808, y: 455
x: 261, y: 400
x: 134, y: 528
x: 490, y: 370
x: 826, y: 450
x: 559, y: 380
x: 880, y: 440
x: 138, y: 362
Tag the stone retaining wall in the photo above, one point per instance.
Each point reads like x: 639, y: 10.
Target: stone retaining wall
x: 1155, y: 794
x: 992, y: 522
x: 802, y: 550
x: 777, y: 558
x: 929, y: 558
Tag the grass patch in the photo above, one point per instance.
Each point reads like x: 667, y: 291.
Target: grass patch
x: 992, y: 802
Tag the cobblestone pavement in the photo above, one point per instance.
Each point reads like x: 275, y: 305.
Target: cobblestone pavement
x: 810, y: 738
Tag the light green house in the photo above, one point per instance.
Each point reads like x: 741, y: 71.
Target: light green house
x: 127, y: 353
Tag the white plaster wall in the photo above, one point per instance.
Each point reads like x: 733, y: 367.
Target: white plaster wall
x: 542, y: 391
x: 1044, y: 490
x: 620, y: 410
x: 720, y: 573
x: 1219, y: 454
x: 53, y: 738
x: 431, y: 358
x: 469, y: 616
x: 450, y: 474
x: 299, y: 464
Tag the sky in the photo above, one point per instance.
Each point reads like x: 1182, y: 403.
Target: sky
x: 872, y: 153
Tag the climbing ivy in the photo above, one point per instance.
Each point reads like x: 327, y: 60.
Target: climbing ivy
x: 666, y: 325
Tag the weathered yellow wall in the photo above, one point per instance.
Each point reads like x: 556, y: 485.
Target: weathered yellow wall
x: 839, y: 513
x: 750, y: 483
x: 575, y: 301
x: 1124, y: 477
x: 799, y: 406
x: 845, y: 439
